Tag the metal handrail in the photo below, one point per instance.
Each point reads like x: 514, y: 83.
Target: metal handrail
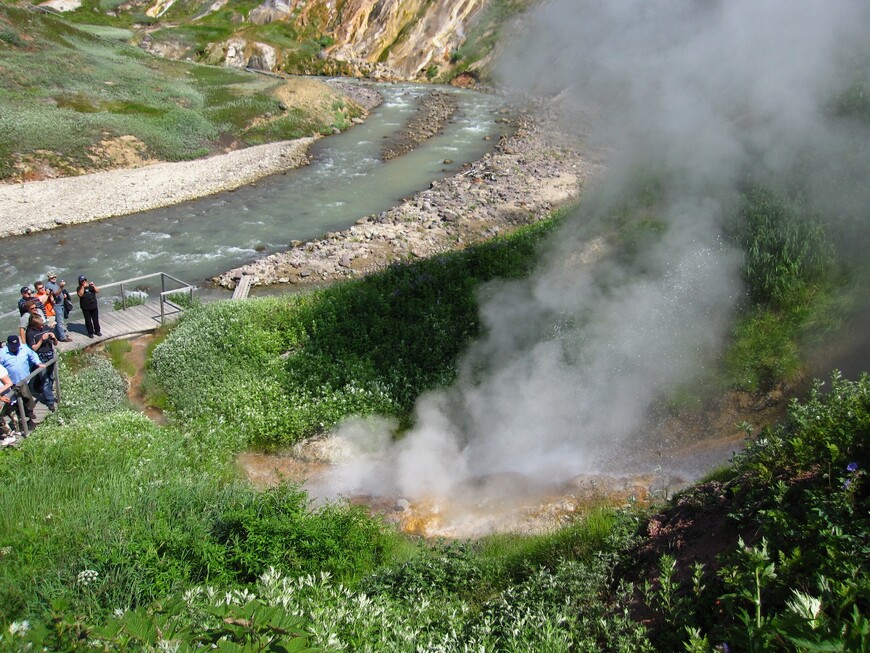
x: 13, y: 391
x: 183, y: 287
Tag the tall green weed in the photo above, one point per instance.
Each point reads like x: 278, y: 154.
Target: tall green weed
x: 791, y: 276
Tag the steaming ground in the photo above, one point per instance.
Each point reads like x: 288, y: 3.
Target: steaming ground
x: 694, y: 99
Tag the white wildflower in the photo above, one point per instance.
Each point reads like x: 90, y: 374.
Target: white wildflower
x: 168, y: 646
x: 19, y: 627
x: 87, y: 576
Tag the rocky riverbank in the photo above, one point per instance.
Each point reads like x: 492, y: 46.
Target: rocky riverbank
x: 531, y: 172
x: 435, y: 109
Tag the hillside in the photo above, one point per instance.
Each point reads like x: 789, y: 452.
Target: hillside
x: 626, y: 381
x: 72, y: 102
x: 411, y: 40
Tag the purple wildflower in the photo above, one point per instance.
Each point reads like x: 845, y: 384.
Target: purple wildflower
x: 852, y: 468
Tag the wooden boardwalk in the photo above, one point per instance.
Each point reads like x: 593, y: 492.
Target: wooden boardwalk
x: 131, y: 321
x: 243, y: 287
x: 118, y: 324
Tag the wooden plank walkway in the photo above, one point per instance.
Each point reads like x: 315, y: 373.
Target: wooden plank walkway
x: 243, y: 287
x: 118, y: 324
x: 131, y: 321
x: 134, y: 320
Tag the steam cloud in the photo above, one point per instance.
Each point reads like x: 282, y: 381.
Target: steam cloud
x: 573, y: 358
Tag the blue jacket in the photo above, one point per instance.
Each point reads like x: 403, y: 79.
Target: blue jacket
x: 18, y: 366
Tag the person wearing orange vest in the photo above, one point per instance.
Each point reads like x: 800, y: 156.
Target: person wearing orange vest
x: 47, y: 300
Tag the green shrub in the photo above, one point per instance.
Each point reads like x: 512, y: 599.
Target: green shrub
x: 799, y: 581
x: 791, y: 278
x: 786, y: 253
x: 131, y: 299
x: 303, y: 363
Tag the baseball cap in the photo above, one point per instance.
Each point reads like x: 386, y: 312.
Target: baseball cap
x: 82, y: 278
x: 12, y: 342
x: 24, y: 289
x: 51, y: 275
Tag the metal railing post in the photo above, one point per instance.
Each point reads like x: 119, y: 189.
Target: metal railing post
x: 56, y: 378
x: 22, y: 418
x: 162, y: 297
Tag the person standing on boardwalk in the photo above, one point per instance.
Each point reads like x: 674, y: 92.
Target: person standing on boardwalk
x: 47, y: 299
x: 26, y: 296
x: 59, y: 313
x: 87, y: 293
x: 18, y: 360
x: 41, y: 339
x: 31, y: 307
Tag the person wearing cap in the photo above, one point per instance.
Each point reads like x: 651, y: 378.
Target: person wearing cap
x: 18, y: 359
x: 26, y: 296
x: 87, y: 293
x: 52, y: 287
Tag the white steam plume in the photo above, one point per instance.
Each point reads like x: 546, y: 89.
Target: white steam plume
x: 572, y: 359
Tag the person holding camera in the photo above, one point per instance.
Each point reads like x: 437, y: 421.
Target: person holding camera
x: 87, y: 293
x: 56, y: 291
x: 41, y: 339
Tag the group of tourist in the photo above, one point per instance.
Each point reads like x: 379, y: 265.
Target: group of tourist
x: 43, y: 311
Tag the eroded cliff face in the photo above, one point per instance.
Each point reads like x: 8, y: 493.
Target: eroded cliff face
x: 407, y: 36
x: 403, y: 39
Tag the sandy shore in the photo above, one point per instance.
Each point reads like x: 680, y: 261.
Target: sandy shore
x: 40, y: 205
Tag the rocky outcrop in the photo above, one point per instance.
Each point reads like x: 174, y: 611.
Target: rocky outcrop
x: 529, y: 174
x: 239, y: 53
x: 61, y: 5
x: 435, y: 109
x: 271, y: 11
x: 388, y: 39
x: 406, y: 35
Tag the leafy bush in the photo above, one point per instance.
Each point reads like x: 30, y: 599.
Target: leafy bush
x: 95, y: 388
x: 799, y: 491
x: 791, y: 275
x: 303, y: 363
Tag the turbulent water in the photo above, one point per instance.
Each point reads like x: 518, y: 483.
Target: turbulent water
x: 197, y: 240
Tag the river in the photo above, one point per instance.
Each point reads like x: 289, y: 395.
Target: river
x: 194, y: 241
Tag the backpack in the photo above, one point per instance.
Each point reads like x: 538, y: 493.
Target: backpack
x: 67, y: 305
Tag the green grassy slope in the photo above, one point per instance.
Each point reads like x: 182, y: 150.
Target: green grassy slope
x: 118, y: 533
x: 64, y: 91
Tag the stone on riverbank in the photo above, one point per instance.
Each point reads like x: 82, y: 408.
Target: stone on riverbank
x: 530, y: 173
